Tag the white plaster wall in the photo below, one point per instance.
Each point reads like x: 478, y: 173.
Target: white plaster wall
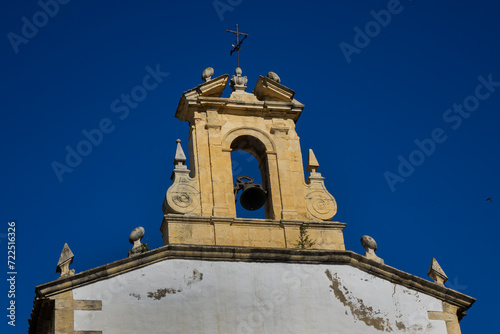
x: 191, y: 296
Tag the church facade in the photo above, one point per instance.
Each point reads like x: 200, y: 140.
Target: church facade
x: 217, y: 273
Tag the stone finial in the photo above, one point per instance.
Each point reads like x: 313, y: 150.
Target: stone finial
x: 312, y: 162
x: 183, y: 196
x: 135, y: 239
x: 207, y: 74
x: 320, y: 203
x: 238, y: 83
x: 136, y: 236
x: 64, y: 262
x: 436, y: 273
x: 274, y: 76
x: 180, y: 157
x: 370, y: 245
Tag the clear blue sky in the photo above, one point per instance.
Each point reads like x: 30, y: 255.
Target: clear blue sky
x: 367, y: 102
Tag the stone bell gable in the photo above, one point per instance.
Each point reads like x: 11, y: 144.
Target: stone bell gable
x: 200, y: 207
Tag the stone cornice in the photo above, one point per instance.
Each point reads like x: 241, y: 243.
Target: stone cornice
x: 207, y: 96
x: 268, y: 89
x: 214, y: 87
x: 251, y: 221
x: 247, y: 254
x: 276, y: 109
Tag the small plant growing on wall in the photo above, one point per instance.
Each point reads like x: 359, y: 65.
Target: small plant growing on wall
x: 142, y: 249
x: 304, y: 239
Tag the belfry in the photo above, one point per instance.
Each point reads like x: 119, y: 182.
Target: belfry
x: 199, y: 207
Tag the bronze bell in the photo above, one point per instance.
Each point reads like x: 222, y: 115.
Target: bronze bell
x: 253, y: 196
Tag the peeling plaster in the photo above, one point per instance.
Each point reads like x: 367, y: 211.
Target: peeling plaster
x: 160, y: 293
x: 197, y: 277
x: 376, y: 318
x: 358, y: 309
x: 136, y: 295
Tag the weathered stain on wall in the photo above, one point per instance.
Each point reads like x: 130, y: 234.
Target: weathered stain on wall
x: 163, y: 292
x: 160, y: 293
x: 375, y: 317
x: 135, y: 295
x: 358, y: 309
x: 197, y: 277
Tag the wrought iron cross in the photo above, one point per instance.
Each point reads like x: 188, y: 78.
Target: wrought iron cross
x: 238, y: 42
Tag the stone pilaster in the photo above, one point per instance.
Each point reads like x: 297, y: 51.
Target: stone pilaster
x: 64, y: 311
x: 449, y: 315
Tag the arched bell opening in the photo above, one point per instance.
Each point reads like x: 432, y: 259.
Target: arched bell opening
x: 249, y: 158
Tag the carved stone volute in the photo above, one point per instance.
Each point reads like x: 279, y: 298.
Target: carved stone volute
x: 183, y: 197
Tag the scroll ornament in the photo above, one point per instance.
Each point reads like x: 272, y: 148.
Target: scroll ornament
x: 320, y: 203
x: 183, y: 196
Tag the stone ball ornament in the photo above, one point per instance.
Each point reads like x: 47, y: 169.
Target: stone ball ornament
x: 368, y: 243
x: 207, y: 74
x: 274, y: 76
x: 136, y: 235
